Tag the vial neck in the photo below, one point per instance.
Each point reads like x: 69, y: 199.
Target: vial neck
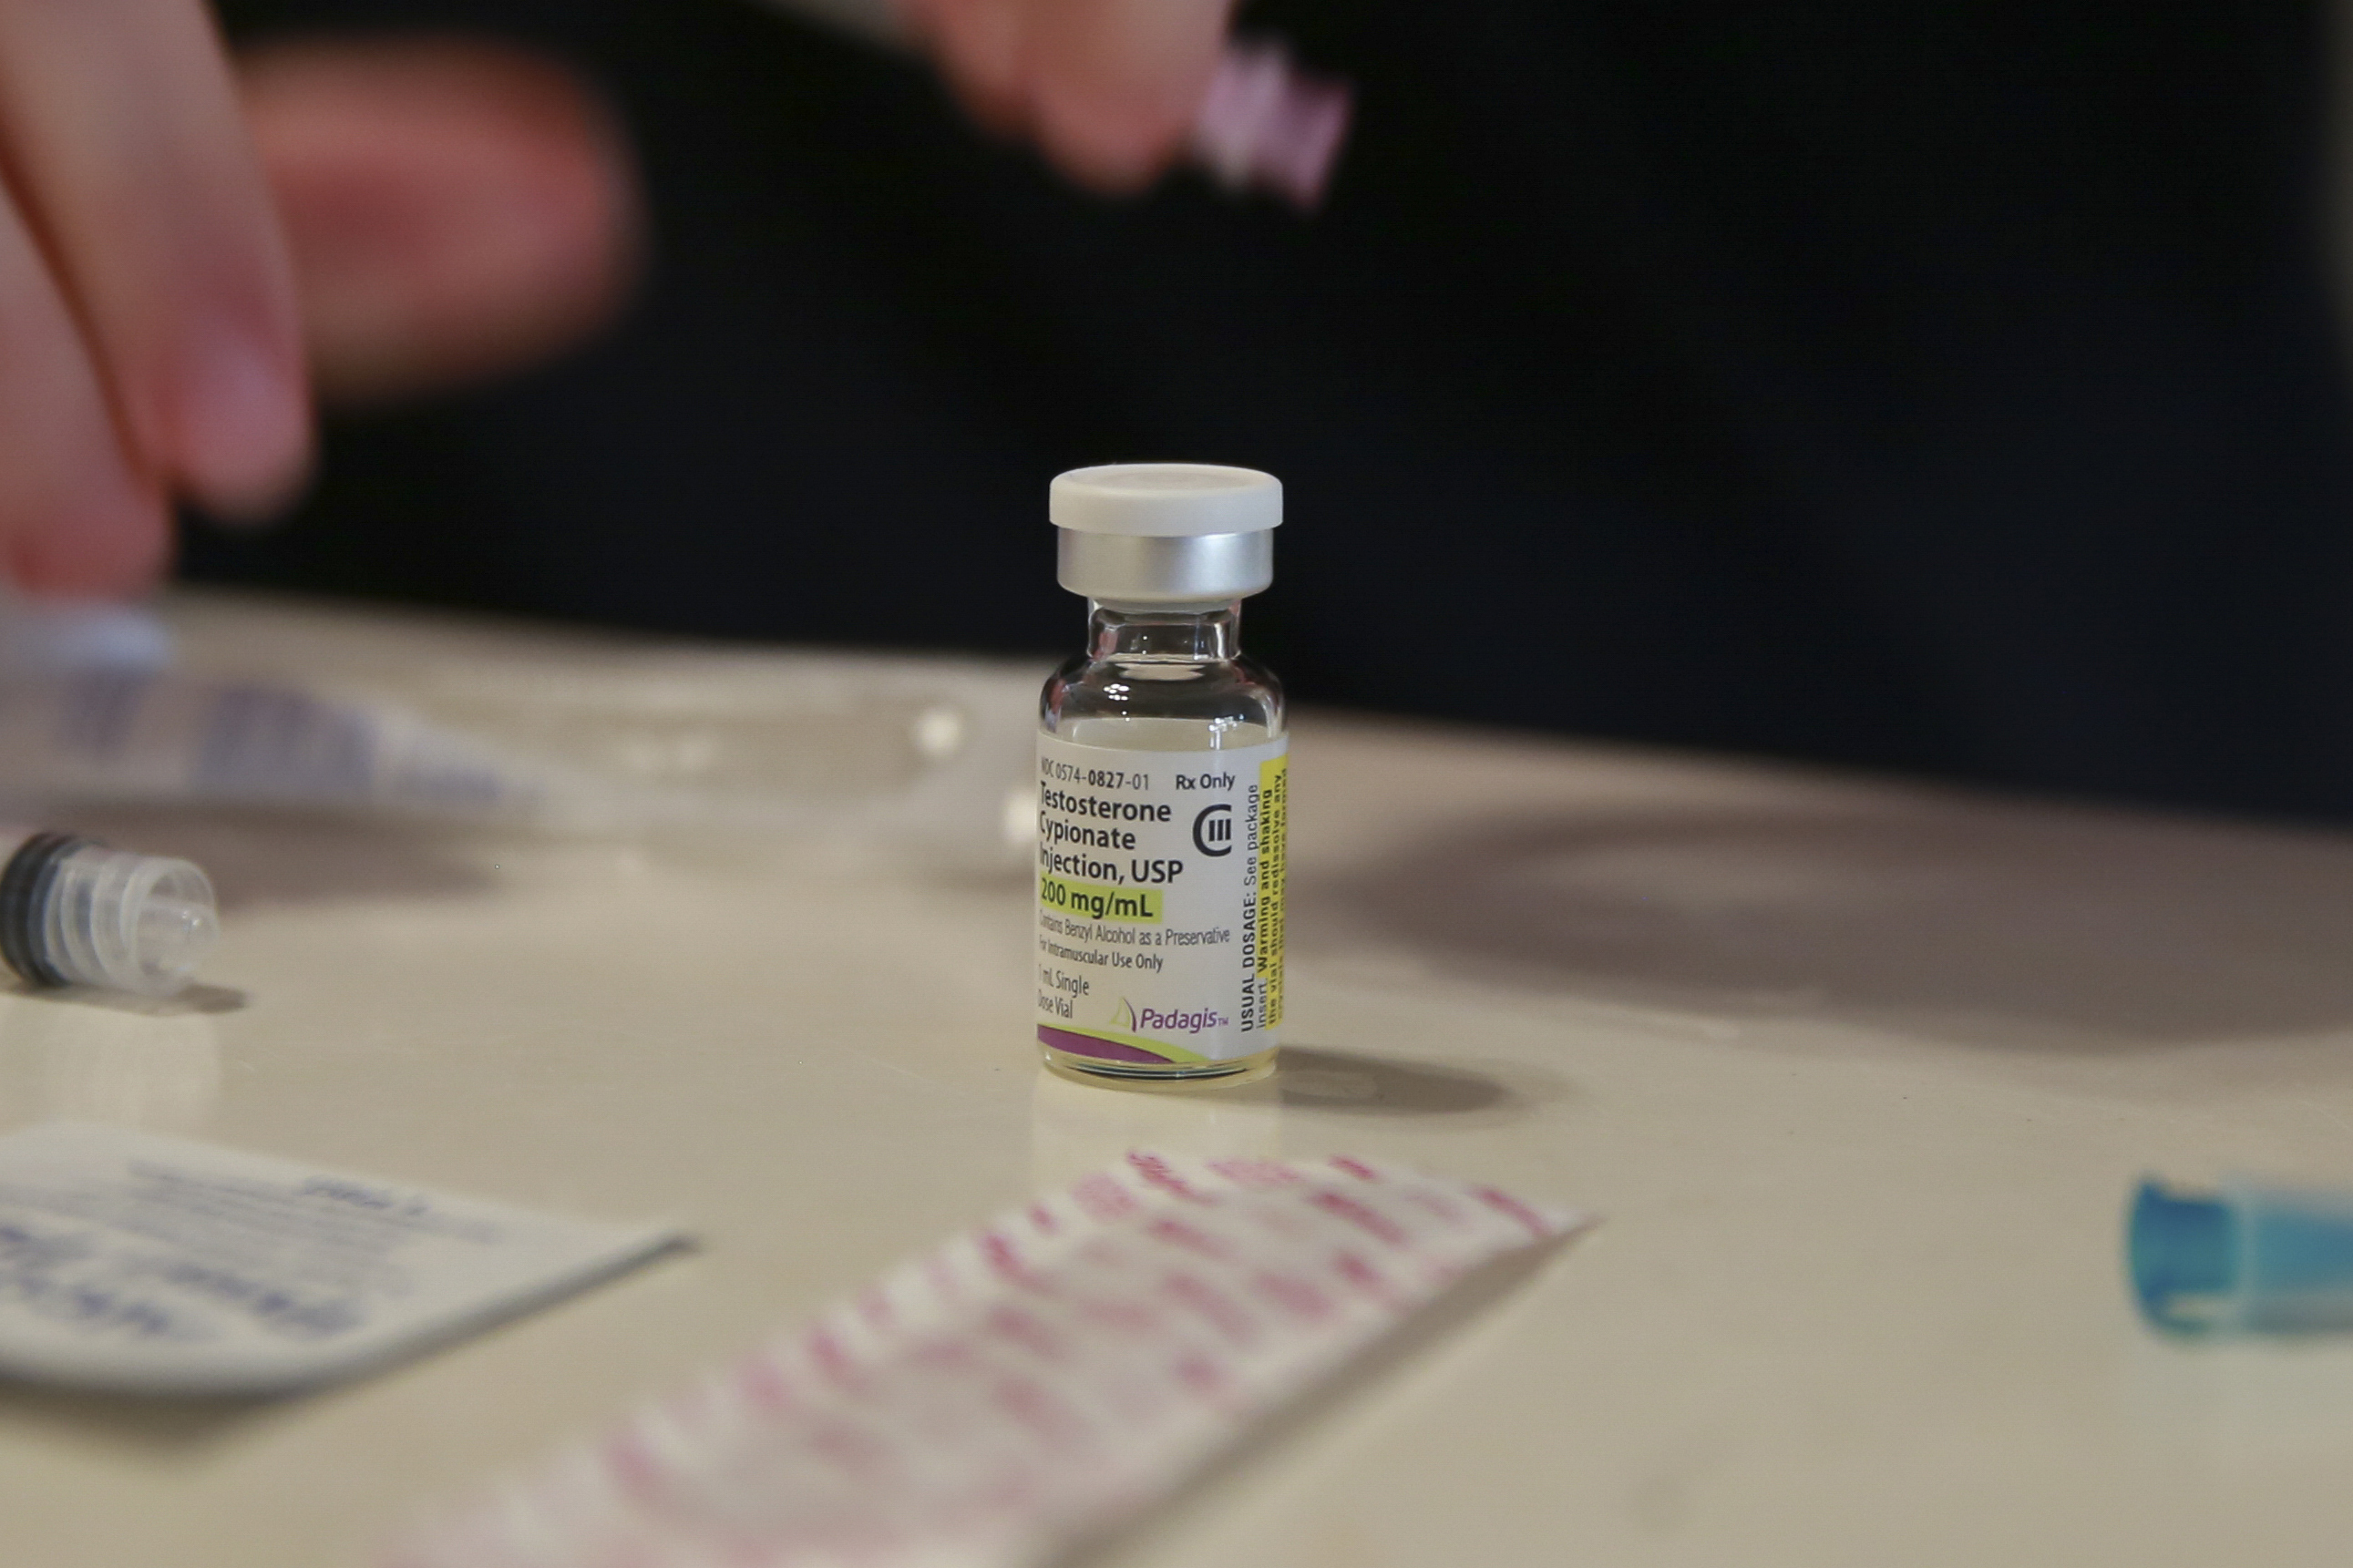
x: 1191, y: 636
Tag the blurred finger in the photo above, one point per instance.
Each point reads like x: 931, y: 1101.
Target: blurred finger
x: 455, y: 209
x: 75, y: 518
x: 126, y: 146
x: 1115, y: 85
x: 978, y: 46
x: 1107, y: 89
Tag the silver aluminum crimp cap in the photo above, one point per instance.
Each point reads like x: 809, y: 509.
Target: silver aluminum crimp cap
x: 1165, y: 533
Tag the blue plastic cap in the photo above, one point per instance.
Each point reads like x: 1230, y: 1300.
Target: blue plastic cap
x: 2244, y: 1259
x: 2183, y: 1256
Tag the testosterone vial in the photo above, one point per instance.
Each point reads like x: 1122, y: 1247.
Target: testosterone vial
x: 1163, y: 790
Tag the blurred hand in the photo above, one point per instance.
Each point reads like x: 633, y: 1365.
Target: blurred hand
x: 1107, y: 89
x: 181, y: 255
x: 419, y: 214
x: 148, y: 336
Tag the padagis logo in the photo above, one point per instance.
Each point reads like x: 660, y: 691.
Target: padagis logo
x: 1180, y: 1021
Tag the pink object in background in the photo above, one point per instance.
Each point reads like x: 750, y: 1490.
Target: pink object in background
x: 1267, y: 124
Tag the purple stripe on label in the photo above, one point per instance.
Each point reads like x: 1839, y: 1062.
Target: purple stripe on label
x: 1088, y: 1046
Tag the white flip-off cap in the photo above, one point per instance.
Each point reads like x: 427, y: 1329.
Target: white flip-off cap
x: 1165, y: 533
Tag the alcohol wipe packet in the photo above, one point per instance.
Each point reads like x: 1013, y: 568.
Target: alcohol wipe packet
x: 139, y: 1264
x: 1021, y: 1389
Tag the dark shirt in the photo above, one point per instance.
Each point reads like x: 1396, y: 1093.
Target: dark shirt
x: 1940, y: 389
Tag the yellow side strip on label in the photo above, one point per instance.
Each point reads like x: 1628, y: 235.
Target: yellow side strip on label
x: 1101, y: 900
x: 1274, y: 845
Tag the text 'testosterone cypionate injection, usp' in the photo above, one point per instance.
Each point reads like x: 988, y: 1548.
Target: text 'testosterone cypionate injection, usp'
x: 1162, y: 782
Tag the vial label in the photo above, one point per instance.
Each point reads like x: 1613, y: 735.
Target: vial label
x: 1160, y: 900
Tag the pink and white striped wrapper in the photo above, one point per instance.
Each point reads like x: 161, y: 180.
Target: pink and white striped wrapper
x: 1028, y: 1384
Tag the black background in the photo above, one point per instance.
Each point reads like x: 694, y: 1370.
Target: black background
x: 1945, y: 388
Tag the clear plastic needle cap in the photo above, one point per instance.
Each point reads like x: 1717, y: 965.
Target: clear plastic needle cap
x: 75, y: 913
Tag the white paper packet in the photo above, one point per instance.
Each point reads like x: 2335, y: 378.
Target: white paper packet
x: 148, y: 1265
x: 1030, y: 1384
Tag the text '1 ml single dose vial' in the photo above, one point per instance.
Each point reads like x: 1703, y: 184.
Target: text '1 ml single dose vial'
x: 1162, y: 786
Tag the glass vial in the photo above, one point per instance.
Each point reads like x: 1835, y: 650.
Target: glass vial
x: 1163, y: 785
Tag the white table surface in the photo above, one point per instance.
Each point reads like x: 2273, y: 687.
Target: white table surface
x: 1859, y: 1075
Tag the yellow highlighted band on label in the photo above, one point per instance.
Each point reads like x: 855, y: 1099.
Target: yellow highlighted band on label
x: 1099, y: 901
x: 1274, y: 846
